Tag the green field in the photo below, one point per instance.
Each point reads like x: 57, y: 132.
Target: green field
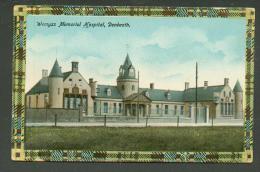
x: 138, y: 139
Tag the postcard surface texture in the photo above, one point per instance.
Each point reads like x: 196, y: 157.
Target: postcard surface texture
x: 133, y: 84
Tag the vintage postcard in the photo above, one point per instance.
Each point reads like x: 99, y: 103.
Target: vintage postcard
x: 124, y: 84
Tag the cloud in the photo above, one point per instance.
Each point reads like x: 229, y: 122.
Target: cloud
x: 173, y: 76
x: 165, y: 56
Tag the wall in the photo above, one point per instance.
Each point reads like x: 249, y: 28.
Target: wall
x: 161, y: 104
x: 56, y: 92
x: 33, y: 100
x: 48, y: 115
x: 83, y: 84
x: 128, y: 86
x: 100, y: 106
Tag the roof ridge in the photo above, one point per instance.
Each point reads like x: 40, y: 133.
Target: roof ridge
x: 207, y: 86
x: 106, y: 85
x: 161, y: 89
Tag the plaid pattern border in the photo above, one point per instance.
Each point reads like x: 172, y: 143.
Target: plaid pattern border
x: 18, y: 86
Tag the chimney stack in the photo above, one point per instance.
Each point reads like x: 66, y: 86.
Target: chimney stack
x: 226, y: 80
x: 44, y: 73
x: 93, y: 86
x: 186, y: 85
x: 152, y: 86
x: 74, y: 66
x: 205, y: 84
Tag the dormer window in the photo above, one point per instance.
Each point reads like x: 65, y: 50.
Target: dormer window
x: 147, y: 94
x: 108, y: 92
x: 168, y: 95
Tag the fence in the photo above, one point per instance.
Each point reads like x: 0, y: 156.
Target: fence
x: 51, y: 115
x: 75, y: 117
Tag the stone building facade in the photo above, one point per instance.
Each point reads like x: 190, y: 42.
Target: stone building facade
x: 70, y: 90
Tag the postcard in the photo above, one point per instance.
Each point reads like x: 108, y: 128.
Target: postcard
x: 133, y: 84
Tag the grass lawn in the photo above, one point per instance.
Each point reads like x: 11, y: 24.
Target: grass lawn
x: 139, y: 139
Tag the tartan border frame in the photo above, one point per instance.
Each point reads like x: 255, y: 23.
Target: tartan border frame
x: 19, y: 153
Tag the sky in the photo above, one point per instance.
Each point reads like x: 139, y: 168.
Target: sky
x: 163, y: 49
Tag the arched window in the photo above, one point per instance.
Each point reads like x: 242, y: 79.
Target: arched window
x: 121, y: 71
x: 133, y: 87
x: 131, y: 72
x: 123, y: 87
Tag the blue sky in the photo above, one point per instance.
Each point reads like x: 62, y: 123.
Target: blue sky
x: 163, y: 49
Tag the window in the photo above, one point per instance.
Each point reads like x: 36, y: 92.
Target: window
x: 182, y: 110
x: 58, y: 91
x: 224, y: 93
x: 75, y: 90
x: 168, y: 95
x: 157, y: 109
x: 147, y: 94
x: 37, y: 99
x: 225, y: 108
x: 84, y: 92
x: 190, y: 111
x: 70, y: 79
x: 114, y: 108
x: 80, y: 80
x: 66, y: 91
x: 45, y: 100
x: 120, y: 108
x: 95, y: 107
x: 229, y: 93
x: 121, y: 71
x: 166, y: 109
x: 133, y: 87
x: 108, y: 92
x: 74, y: 103
x: 84, y: 103
x: 65, y: 103
x: 175, y: 109
x: 232, y: 106
x: 131, y: 72
x: 105, y: 107
x: 123, y: 87
x: 29, y: 101
x: 229, y: 109
x: 222, y: 108
x: 71, y: 100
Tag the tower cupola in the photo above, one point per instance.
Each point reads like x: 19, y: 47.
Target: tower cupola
x: 237, y: 87
x: 55, y: 82
x: 56, y: 70
x: 127, y: 82
x: 127, y: 70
